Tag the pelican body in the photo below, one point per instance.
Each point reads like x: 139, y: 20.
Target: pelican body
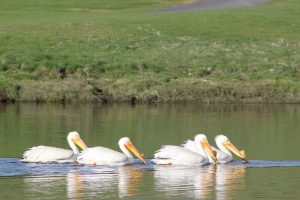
x: 177, y: 155
x: 44, y: 154
x: 223, y: 153
x: 106, y: 156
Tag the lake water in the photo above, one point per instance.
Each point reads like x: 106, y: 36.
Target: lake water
x: 270, y: 135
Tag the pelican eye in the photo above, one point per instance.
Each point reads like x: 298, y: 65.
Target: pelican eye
x: 127, y: 144
x: 75, y: 138
x: 204, y: 141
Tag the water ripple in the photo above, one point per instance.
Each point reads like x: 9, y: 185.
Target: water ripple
x: 14, y: 167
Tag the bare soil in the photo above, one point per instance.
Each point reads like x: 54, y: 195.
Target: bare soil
x: 211, y: 4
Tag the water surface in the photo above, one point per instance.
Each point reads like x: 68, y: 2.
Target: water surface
x: 268, y: 133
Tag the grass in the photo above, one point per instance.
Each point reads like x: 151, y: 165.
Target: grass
x: 127, y: 52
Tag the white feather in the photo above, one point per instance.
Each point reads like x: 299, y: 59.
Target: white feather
x: 190, y: 145
x: 46, y: 154
x: 102, y: 156
x: 177, y: 155
x: 106, y: 156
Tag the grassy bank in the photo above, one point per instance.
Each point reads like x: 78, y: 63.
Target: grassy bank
x: 120, y: 51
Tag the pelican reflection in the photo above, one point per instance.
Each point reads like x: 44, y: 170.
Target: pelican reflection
x: 208, y: 182
x: 122, y: 181
x: 191, y: 182
x: 51, y: 185
x: 229, y: 178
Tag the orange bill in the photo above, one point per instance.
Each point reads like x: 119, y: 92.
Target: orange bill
x: 209, y: 150
x: 78, y: 141
x: 235, y: 150
x: 134, y: 150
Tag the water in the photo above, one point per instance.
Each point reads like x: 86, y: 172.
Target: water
x: 268, y: 133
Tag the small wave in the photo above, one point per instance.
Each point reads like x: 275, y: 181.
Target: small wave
x: 14, y: 167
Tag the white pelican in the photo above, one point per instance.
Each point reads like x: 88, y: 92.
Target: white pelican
x: 105, y: 156
x: 223, y: 153
x: 45, y: 154
x: 176, y: 155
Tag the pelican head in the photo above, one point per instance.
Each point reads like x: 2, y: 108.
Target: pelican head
x: 74, y: 137
x: 225, y: 142
x: 126, y: 142
x: 201, y: 139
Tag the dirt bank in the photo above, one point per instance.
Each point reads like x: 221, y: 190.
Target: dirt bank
x: 182, y: 90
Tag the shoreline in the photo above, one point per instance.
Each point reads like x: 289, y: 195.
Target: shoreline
x: 125, y: 91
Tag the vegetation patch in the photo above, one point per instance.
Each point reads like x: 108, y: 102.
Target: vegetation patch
x: 119, y: 51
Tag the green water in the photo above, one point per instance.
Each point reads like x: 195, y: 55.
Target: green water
x: 265, y: 132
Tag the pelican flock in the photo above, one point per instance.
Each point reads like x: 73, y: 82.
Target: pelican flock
x: 44, y: 154
x: 195, y: 152
x: 223, y: 153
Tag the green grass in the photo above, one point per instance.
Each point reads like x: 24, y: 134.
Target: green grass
x: 123, y: 44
